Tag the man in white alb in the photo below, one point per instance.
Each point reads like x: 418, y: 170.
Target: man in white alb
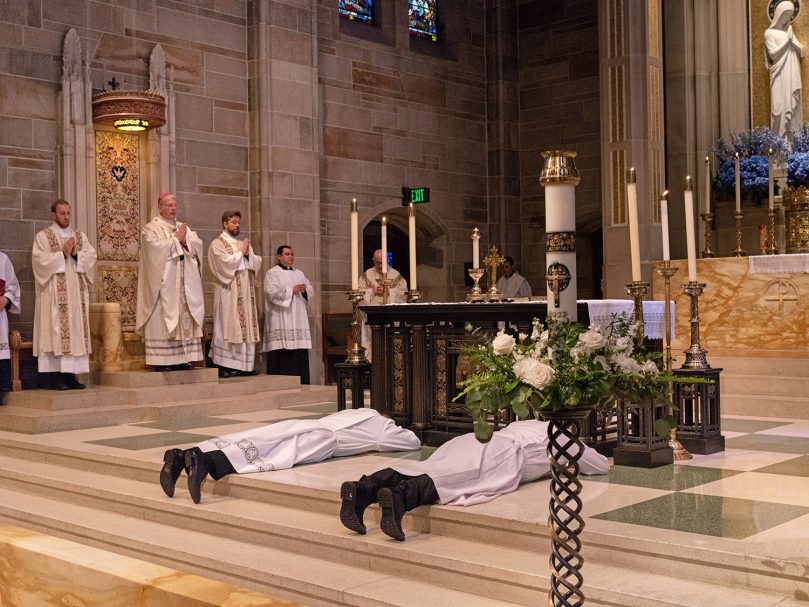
x: 369, y: 282
x: 170, y: 304
x: 64, y: 266
x: 9, y: 303
x: 512, y: 284
x: 235, y: 317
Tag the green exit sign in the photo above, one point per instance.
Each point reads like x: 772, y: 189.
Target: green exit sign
x: 415, y: 196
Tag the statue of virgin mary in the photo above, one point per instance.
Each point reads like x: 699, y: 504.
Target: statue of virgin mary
x: 784, y: 53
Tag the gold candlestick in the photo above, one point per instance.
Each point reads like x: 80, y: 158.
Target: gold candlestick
x: 385, y: 283
x: 708, y: 219
x: 637, y: 289
x: 413, y: 295
x: 476, y: 294
x: 356, y: 353
x: 738, y: 251
x: 492, y: 261
x: 773, y: 248
x: 695, y: 356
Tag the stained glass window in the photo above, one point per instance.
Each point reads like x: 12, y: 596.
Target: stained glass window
x: 423, y: 21
x: 361, y: 10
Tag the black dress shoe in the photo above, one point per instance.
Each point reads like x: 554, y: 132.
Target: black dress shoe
x: 353, y: 507
x: 224, y: 372
x: 57, y: 382
x: 173, y: 464
x: 195, y: 467
x: 247, y: 373
x: 72, y: 382
x: 393, y: 510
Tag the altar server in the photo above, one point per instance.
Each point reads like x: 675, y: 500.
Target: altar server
x: 9, y: 303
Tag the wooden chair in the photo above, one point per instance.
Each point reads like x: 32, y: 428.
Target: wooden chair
x: 18, y: 346
x: 336, y: 340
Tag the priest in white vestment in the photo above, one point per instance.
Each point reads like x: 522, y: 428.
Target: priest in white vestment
x: 235, y: 317
x: 9, y: 303
x: 287, y: 338
x: 170, y: 308
x: 369, y: 282
x: 284, y: 444
x: 462, y: 472
x: 64, y: 267
x: 512, y: 284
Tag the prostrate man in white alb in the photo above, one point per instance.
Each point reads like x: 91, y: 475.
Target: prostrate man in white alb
x: 287, y: 338
x: 235, y: 316
x: 64, y: 266
x: 369, y: 282
x: 9, y: 302
x: 512, y: 284
x: 170, y: 304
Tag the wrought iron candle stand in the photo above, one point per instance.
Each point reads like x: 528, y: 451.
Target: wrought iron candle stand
x: 476, y: 294
x: 738, y: 251
x: 708, y: 218
x: 492, y: 261
x: 773, y: 248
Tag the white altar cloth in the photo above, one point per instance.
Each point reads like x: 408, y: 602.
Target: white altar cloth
x: 794, y: 263
x: 602, y: 310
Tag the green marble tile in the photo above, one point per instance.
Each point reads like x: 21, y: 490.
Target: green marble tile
x: 186, y: 424
x: 706, y: 514
x: 671, y: 478
x: 150, y: 441
x: 770, y: 442
x: 750, y: 425
x: 798, y: 466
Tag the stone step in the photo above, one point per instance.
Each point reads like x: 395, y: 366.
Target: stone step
x: 771, y: 367
x: 758, y: 405
x: 144, y: 378
x: 771, y: 387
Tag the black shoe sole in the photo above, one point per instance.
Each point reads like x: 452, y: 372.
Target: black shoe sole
x: 391, y: 523
x: 348, y: 514
x: 196, y: 476
x: 169, y: 474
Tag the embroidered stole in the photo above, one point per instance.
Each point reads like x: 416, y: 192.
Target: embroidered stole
x: 62, y: 295
x: 240, y: 309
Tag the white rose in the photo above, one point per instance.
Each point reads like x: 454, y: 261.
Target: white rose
x: 592, y: 340
x: 626, y: 363
x: 503, y: 344
x: 533, y: 372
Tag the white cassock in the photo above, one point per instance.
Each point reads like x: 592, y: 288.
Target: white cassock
x: 62, y: 307
x: 281, y: 445
x: 286, y: 324
x: 235, y: 315
x: 9, y: 287
x: 397, y: 293
x: 466, y: 471
x: 171, y: 308
x: 514, y: 286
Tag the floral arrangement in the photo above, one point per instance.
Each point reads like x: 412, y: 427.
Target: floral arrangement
x: 798, y: 162
x: 560, y: 367
x: 752, y: 146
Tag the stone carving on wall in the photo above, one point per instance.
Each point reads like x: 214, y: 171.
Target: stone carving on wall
x: 72, y: 75
x: 120, y: 284
x: 117, y: 196
x: 157, y: 71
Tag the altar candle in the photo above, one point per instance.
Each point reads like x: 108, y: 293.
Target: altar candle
x: 355, y: 251
x: 634, y: 238
x: 707, y: 184
x: 475, y: 248
x: 384, y: 245
x: 770, y: 184
x: 664, y: 224
x: 738, y: 185
x: 691, y: 244
x: 411, y: 232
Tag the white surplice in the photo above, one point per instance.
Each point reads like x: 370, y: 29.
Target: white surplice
x: 284, y: 444
x: 12, y: 291
x: 286, y: 324
x: 62, y: 307
x: 513, y: 286
x: 235, y: 325
x: 466, y: 471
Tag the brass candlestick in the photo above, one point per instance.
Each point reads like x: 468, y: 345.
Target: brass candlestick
x: 637, y: 289
x: 476, y: 294
x: 708, y: 219
x: 666, y: 272
x: 492, y: 261
x: 356, y: 353
x: 413, y: 295
x: 695, y: 356
x: 385, y: 283
x: 738, y: 251
x: 773, y: 248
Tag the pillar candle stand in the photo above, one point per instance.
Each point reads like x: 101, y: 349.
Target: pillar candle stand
x: 413, y: 295
x: 695, y: 356
x: 637, y: 290
x: 476, y: 294
x: 707, y: 252
x: 356, y: 353
x: 773, y: 248
x: 738, y: 251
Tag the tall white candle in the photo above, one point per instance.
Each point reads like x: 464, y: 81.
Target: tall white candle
x: 707, y: 184
x: 770, y: 184
x: 634, y: 238
x: 475, y: 248
x: 664, y: 224
x: 384, y: 245
x: 691, y: 244
x: 411, y: 233
x: 355, y: 251
x: 738, y: 185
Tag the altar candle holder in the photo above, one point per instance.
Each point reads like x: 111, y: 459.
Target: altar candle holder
x: 738, y: 251
x: 773, y: 248
x: 413, y: 295
x: 492, y: 261
x: 356, y: 353
x: 637, y: 289
x: 707, y: 252
x: 695, y: 356
x: 385, y: 283
x: 476, y: 294
x: 666, y: 272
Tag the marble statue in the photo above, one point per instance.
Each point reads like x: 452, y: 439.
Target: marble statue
x: 784, y: 53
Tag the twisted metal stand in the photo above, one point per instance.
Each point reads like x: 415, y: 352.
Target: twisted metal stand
x: 637, y: 290
x: 738, y: 251
x: 695, y: 356
x: 565, y: 521
x: 356, y: 354
x: 773, y: 248
x: 708, y: 219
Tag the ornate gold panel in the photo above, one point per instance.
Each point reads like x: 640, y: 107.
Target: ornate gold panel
x: 617, y: 174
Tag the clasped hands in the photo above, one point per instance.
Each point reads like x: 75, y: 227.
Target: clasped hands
x: 69, y: 247
x: 244, y: 246
x: 180, y: 233
x: 298, y: 289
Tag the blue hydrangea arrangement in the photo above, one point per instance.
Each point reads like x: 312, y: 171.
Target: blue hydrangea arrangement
x: 798, y: 162
x: 752, y: 146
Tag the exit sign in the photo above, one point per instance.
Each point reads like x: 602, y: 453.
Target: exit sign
x: 415, y: 196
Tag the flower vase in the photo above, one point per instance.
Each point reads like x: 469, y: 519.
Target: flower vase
x: 565, y: 522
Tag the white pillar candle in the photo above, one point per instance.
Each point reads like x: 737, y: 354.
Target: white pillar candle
x: 475, y: 248
x: 770, y: 184
x: 384, y: 245
x: 691, y: 244
x: 664, y: 224
x: 355, y: 251
x: 632, y: 209
x: 707, y: 184
x: 411, y: 233
x: 738, y: 185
